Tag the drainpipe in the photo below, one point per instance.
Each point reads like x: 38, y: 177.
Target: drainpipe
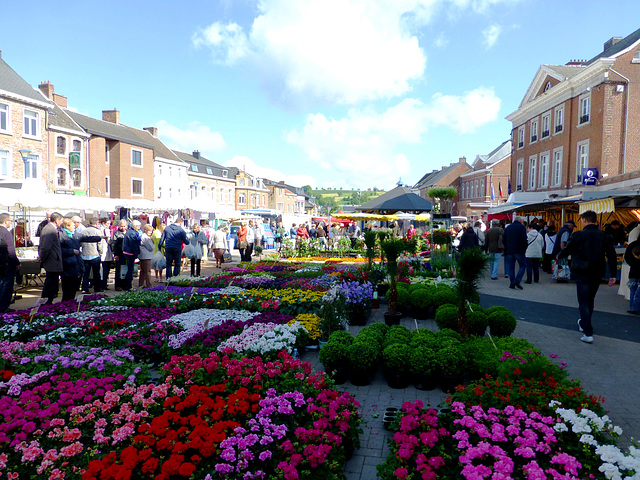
x: 626, y: 123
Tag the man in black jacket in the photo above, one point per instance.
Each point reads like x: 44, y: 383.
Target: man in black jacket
x: 9, y: 263
x: 515, y: 246
x: 588, y: 249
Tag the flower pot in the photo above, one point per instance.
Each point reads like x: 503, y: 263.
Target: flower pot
x: 339, y: 374
x: 397, y: 379
x: 448, y: 383
x: 360, y: 377
x: 392, y: 318
x: 375, y: 303
x: 420, y: 313
x: 322, y: 343
x: 425, y: 381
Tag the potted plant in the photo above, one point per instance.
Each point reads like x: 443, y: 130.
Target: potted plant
x: 334, y: 357
x: 451, y: 363
x: 395, y: 359
x: 370, y: 243
x: 502, y: 322
x: 392, y: 249
x: 447, y: 316
x: 420, y: 300
x: 332, y: 314
x: 357, y: 298
x: 422, y: 366
x: 471, y: 264
x: 364, y: 358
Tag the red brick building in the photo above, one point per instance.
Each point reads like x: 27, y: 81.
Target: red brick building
x: 578, y: 126
x: 445, y: 177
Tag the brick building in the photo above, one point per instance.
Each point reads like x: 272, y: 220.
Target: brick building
x: 480, y: 186
x: 251, y: 192
x: 280, y: 197
x: 578, y: 126
x: 23, y: 116
x: 445, y: 177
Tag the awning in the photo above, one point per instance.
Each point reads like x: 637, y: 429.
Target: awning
x: 604, y: 205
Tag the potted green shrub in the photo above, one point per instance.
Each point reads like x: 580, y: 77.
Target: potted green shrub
x: 447, y: 316
x: 422, y: 365
x: 442, y: 295
x: 477, y: 320
x: 334, y: 357
x: 451, y: 363
x: 364, y: 359
x: 502, y: 323
x: 482, y: 357
x: 471, y: 264
x: 396, y: 359
x: 370, y: 244
x: 420, y: 300
x: 392, y: 249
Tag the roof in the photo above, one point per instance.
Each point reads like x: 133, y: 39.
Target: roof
x: 565, y: 71
x: 12, y: 83
x: 435, y: 176
x: 622, y: 45
x: 59, y: 118
x: 203, y: 165
x: 159, y: 148
x: 400, y: 198
x: 112, y: 131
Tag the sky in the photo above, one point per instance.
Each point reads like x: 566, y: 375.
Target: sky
x: 327, y: 93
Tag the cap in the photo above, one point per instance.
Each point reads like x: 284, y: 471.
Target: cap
x: 570, y: 222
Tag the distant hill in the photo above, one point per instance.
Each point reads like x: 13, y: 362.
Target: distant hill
x: 337, y: 197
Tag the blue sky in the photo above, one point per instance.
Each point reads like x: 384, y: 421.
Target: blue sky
x: 331, y: 93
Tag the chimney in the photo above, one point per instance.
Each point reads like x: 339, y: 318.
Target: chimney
x: 611, y: 42
x: 281, y: 182
x: 47, y: 89
x: 196, y: 154
x: 112, y: 116
x: 60, y: 100
x: 462, y: 160
x: 152, y: 130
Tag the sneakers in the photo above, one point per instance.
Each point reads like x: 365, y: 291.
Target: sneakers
x: 519, y: 287
x: 579, y: 326
x: 586, y: 339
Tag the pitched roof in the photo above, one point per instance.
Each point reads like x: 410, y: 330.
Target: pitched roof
x: 59, y: 118
x: 159, y: 148
x: 565, y: 71
x: 434, y: 177
x: 202, y: 164
x: 622, y: 45
x: 14, y: 85
x: 112, y: 131
x: 399, y: 199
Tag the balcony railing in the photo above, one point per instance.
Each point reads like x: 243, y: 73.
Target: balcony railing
x: 559, y: 128
x: 534, y: 138
x: 584, y: 119
x: 520, y: 144
x: 545, y: 134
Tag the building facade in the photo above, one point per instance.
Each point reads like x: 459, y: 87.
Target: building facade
x: 578, y: 126
x: 448, y: 176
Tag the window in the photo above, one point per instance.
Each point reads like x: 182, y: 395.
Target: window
x: 107, y: 186
x: 280, y: 206
x: 136, y: 158
x: 209, y: 171
x: 31, y: 122
x: 544, y: 169
x: 557, y: 167
x: 159, y: 192
x: 213, y: 193
x: 62, y: 177
x: 107, y: 152
x: 77, y: 178
x: 4, y: 163
x: 225, y: 173
x: 532, y: 172
x: 241, y: 198
x: 279, y: 192
x: 61, y: 145
x: 170, y: 170
x: 159, y: 169
x: 559, y: 119
x: 636, y: 57
x: 519, y: 174
x: 481, y: 193
x: 582, y: 159
x: 263, y: 200
x: 547, y: 86
x: 171, y: 192
x: 31, y: 167
x: 230, y: 196
x: 534, y: 130
x: 4, y: 118
x: 136, y: 186
x: 241, y: 181
x: 521, y: 137
x: 77, y: 145
x: 546, y: 125
x: 194, y: 168
x: 475, y: 189
x: 585, y: 109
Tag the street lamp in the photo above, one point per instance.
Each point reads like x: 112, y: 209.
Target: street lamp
x: 24, y: 153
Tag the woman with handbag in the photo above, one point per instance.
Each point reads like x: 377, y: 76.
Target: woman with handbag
x: 219, y: 244
x: 242, y: 241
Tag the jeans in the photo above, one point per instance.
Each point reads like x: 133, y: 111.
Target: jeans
x: 92, y: 265
x: 494, y: 263
x: 510, y: 260
x: 6, y: 288
x: 634, y: 298
x: 106, y: 268
x: 532, y: 267
x: 586, y: 287
x: 172, y: 256
x: 128, y: 278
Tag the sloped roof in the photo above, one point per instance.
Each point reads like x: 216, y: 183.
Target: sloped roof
x: 622, y: 45
x: 202, y: 164
x: 58, y: 118
x: 112, y: 131
x: 434, y: 177
x: 400, y: 199
x: 159, y: 148
x: 12, y: 83
x: 565, y: 71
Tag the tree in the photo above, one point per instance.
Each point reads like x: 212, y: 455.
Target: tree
x: 442, y: 197
x: 307, y: 190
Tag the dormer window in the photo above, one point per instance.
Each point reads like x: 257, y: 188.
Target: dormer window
x: 209, y: 171
x: 636, y: 57
x: 547, y: 86
x: 194, y: 168
x: 225, y: 173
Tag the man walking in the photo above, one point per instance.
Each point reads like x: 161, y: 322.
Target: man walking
x: 494, y: 246
x: 9, y: 263
x: 50, y: 255
x: 515, y: 246
x: 130, y: 250
x: 90, y: 238
x: 172, y: 238
x: 588, y: 249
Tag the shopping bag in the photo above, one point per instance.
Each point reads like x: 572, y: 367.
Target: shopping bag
x: 561, y: 271
x: 158, y: 262
x: 124, y: 269
x: 226, y: 257
x: 189, y: 251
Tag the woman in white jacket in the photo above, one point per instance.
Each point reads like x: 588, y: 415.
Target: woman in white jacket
x: 219, y: 244
x: 535, y: 244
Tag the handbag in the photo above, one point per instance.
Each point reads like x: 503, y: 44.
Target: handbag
x: 158, y: 262
x: 243, y: 244
x: 561, y: 270
x: 226, y: 257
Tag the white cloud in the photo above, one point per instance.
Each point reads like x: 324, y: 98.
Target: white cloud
x: 245, y: 163
x: 364, y: 146
x: 491, y: 35
x: 195, y: 137
x: 228, y: 43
